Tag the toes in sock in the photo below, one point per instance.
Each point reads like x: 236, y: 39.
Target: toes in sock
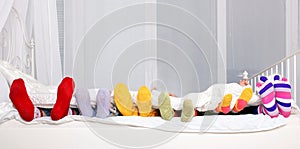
x: 64, y: 94
x: 84, y: 103
x: 164, y: 106
x: 225, y: 104
x: 283, y: 95
x: 187, y: 111
x: 103, y: 103
x: 123, y: 100
x: 21, y: 100
x: 144, y: 101
x: 266, y: 92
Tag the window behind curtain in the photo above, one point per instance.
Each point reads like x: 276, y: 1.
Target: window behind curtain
x: 61, y: 29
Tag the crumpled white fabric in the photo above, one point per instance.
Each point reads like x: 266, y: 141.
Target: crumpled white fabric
x: 40, y: 94
x: 199, y: 124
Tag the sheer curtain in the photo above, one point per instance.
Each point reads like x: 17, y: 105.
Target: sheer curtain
x: 5, y: 7
x: 27, y: 19
x: 48, y: 62
x: 107, y: 42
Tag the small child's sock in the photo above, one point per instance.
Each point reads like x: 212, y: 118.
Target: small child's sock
x: 224, y: 106
x: 243, y: 100
x: 123, y: 100
x: 266, y: 92
x: 187, y: 111
x: 84, y: 103
x: 64, y: 94
x: 103, y: 103
x: 283, y: 95
x: 164, y: 106
x: 144, y: 101
x: 19, y: 97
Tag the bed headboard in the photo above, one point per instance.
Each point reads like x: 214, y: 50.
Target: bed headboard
x: 24, y: 61
x: 286, y: 67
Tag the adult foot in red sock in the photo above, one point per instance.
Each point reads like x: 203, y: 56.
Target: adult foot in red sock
x: 64, y: 94
x: 19, y: 97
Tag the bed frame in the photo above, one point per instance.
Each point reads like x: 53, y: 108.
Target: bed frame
x: 29, y: 62
x: 286, y: 67
x: 77, y: 134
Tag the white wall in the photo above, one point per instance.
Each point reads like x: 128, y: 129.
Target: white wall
x: 256, y: 28
x: 187, y: 47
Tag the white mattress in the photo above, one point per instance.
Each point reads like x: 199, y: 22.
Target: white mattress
x: 77, y: 134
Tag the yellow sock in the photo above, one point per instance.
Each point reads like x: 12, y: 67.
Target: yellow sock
x: 144, y: 101
x: 224, y: 107
x: 123, y: 100
x: 243, y: 100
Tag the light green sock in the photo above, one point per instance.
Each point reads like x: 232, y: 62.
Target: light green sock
x: 187, y: 111
x: 164, y: 106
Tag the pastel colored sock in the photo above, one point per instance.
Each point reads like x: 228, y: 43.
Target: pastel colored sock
x: 84, y: 102
x: 266, y: 92
x: 224, y: 106
x: 20, y: 99
x: 103, y: 103
x: 144, y: 101
x: 243, y: 100
x: 187, y: 111
x: 164, y: 106
x: 64, y: 94
x: 283, y: 95
x: 123, y: 100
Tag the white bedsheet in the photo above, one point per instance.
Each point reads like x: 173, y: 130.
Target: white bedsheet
x: 207, y: 123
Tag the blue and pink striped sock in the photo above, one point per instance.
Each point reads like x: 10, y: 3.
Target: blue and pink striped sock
x: 283, y: 95
x: 266, y: 91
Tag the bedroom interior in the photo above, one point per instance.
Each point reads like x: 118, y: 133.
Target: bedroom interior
x: 181, y: 47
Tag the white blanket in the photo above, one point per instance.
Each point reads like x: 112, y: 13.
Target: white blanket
x: 199, y: 124
x: 45, y: 96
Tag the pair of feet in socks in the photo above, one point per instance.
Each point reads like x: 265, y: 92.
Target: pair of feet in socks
x: 103, y: 102
x: 167, y: 112
x: 275, y: 93
x: 125, y: 105
x: 240, y: 104
x: 20, y: 99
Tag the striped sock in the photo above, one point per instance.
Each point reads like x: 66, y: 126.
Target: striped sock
x: 283, y: 95
x: 266, y: 92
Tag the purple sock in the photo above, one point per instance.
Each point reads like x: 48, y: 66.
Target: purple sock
x: 103, y: 103
x: 83, y: 102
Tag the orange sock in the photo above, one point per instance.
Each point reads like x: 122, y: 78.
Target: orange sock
x: 224, y: 107
x: 243, y: 100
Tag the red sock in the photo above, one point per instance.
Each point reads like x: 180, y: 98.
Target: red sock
x: 64, y: 95
x: 19, y: 97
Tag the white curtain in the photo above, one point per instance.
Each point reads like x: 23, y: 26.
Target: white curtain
x: 39, y: 21
x: 14, y: 51
x: 48, y: 63
x: 5, y: 7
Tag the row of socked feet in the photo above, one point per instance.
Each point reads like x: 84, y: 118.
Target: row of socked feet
x: 106, y: 105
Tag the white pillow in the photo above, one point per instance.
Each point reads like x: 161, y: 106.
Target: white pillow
x: 4, y: 89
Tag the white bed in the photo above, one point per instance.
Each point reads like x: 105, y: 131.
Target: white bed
x: 209, y: 131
